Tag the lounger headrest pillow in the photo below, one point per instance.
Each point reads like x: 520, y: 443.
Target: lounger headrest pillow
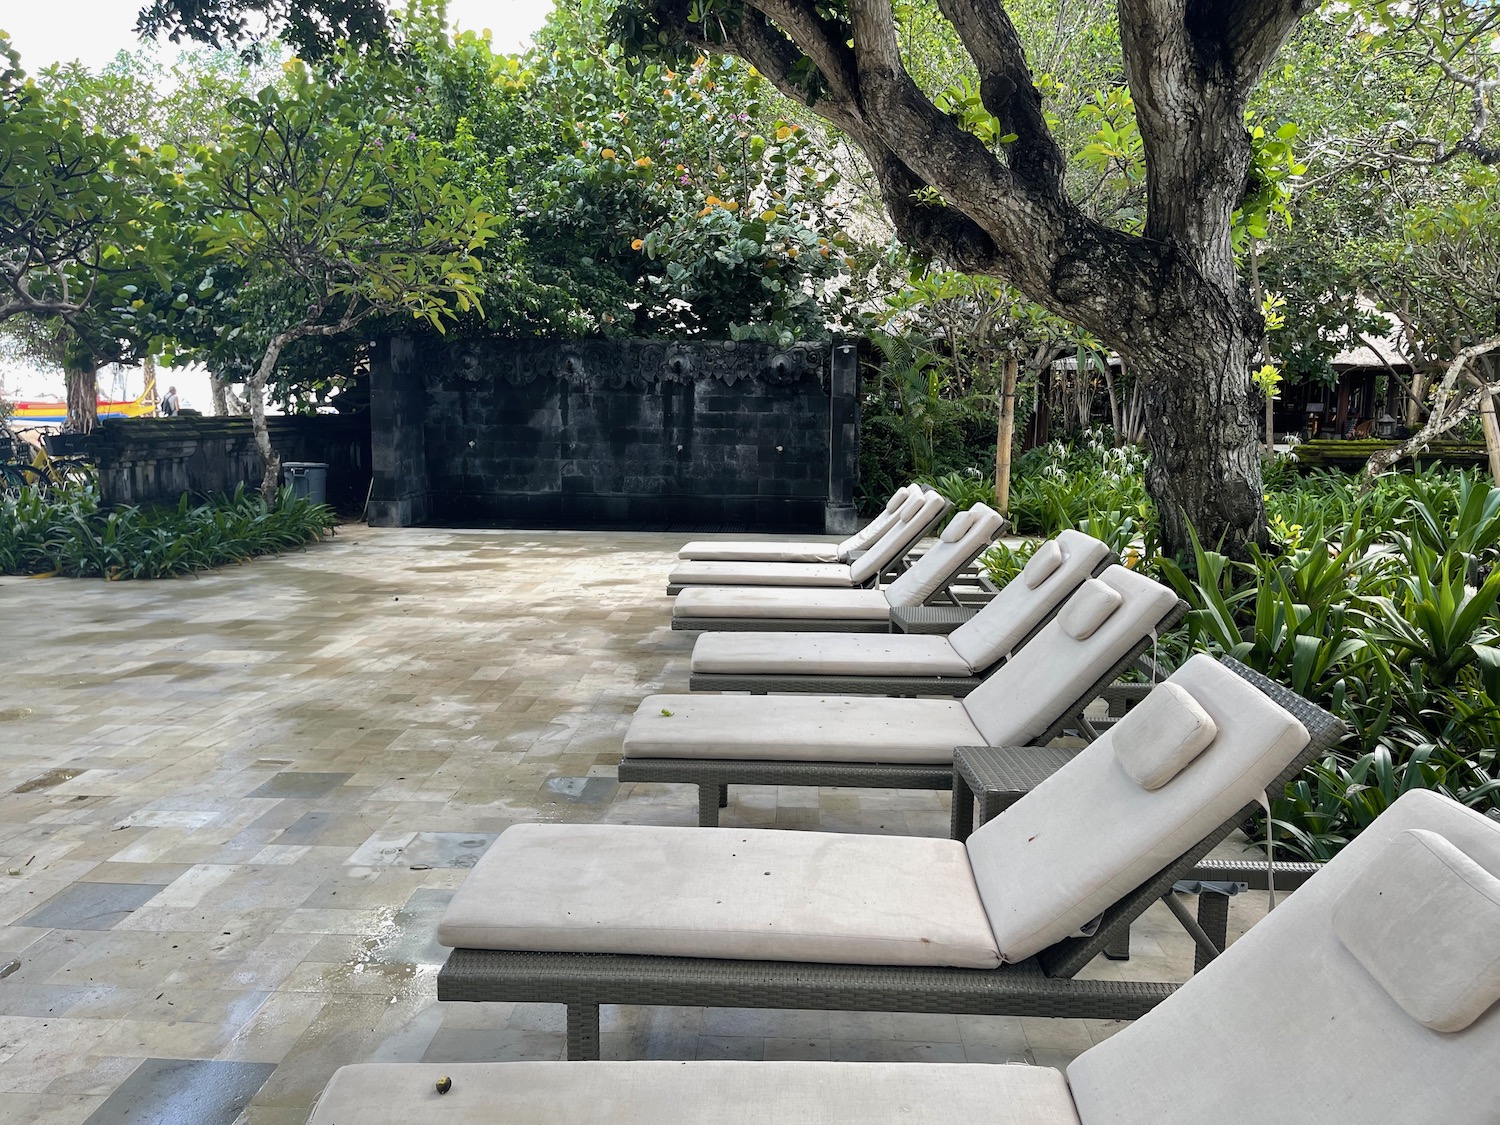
x: 959, y: 526
x: 1047, y: 558
x: 1422, y: 918
x: 899, y: 497
x: 1088, y: 609
x: 913, y: 504
x: 1161, y: 735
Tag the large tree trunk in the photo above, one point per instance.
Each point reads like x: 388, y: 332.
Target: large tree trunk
x: 83, y: 398
x: 1205, y: 457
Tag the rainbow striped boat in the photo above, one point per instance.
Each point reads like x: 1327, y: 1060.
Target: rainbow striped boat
x: 54, y: 412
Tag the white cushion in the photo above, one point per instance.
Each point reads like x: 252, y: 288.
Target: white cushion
x: 901, y: 538
x: 1161, y: 735
x: 733, y: 573
x: 723, y: 892
x: 1018, y: 608
x: 1044, y: 560
x: 1424, y: 921
x: 900, y: 496
x: 827, y: 654
x: 690, y: 1093
x: 741, y: 550
x: 1088, y: 608
x: 1089, y: 834
x: 911, y: 506
x: 957, y: 526
x: 818, y: 728
x: 866, y: 535
x: 940, y: 565
x: 1031, y: 691
x: 782, y: 604
x: 1287, y: 1026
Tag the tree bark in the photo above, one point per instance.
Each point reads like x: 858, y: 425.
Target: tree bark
x: 255, y: 392
x: 1005, y: 436
x: 1116, y: 423
x: 83, y: 398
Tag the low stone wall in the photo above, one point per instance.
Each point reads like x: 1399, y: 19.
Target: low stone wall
x: 156, y: 460
x: 601, y: 433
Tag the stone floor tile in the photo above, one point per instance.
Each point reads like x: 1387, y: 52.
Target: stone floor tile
x: 47, y: 1108
x: 90, y: 906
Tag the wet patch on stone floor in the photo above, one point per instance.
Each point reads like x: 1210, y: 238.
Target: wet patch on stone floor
x: 46, y: 780
x: 182, y: 1092
x: 297, y: 785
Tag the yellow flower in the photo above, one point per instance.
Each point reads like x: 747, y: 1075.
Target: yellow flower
x: 643, y: 162
x: 607, y: 154
x: 712, y: 201
x: 731, y: 206
x: 637, y: 243
x: 791, y: 252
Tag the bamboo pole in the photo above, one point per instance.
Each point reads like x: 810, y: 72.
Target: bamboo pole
x: 1488, y: 424
x: 1005, y: 435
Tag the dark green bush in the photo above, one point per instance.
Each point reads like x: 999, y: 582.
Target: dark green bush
x: 65, y: 531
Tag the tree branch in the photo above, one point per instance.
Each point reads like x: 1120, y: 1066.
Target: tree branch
x: 1006, y: 88
x: 1439, y: 421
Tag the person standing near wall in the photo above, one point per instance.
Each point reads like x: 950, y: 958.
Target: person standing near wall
x: 169, y: 403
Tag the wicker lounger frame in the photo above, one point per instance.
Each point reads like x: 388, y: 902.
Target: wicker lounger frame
x: 843, y: 625
x: 1039, y: 986
x: 897, y: 566
x: 762, y: 683
x: 713, y: 776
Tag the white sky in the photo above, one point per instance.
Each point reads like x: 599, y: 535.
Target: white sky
x: 93, y: 31
x: 49, y: 31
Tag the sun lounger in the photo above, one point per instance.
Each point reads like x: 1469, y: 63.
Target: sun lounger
x: 714, y: 741
x: 916, y: 517
x: 584, y: 914
x: 906, y: 664
x: 1370, y: 996
x: 771, y: 609
x: 781, y: 551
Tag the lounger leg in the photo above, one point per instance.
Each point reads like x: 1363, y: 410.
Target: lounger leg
x: 723, y: 796
x: 1118, y: 948
x: 1213, y: 916
x: 708, y: 805
x: 583, y: 1032
x: 961, y: 819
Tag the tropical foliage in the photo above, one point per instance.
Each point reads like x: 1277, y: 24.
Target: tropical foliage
x: 1381, y: 604
x: 64, y: 531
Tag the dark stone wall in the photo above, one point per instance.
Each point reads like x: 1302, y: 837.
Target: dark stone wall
x: 398, y: 454
x: 156, y: 460
x: 614, y: 432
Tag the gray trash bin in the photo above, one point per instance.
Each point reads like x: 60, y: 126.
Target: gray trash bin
x: 308, y: 479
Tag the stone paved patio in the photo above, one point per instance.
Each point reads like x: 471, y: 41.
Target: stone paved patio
x: 233, y: 807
